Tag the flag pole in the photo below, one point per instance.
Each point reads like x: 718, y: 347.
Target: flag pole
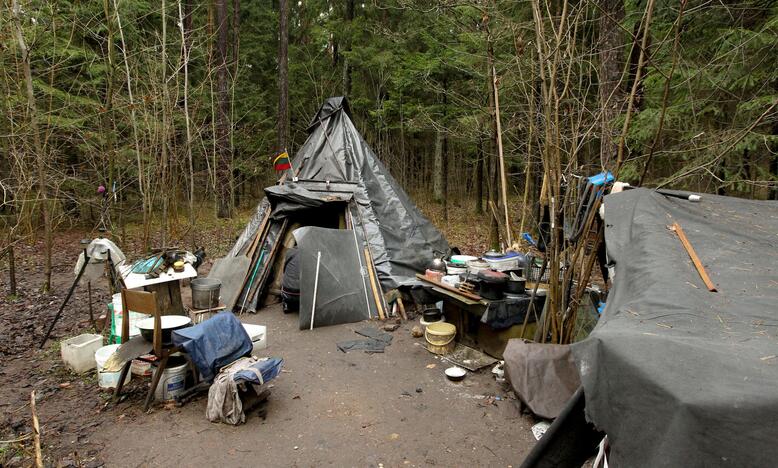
x: 291, y: 165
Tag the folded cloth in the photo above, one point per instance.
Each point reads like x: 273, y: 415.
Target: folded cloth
x: 224, y: 403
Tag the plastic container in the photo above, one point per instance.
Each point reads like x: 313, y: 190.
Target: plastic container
x: 205, y: 293
x: 474, y: 266
x: 462, y: 259
x: 173, y: 379
x: 258, y: 335
x: 140, y: 367
x: 456, y: 268
x: 78, y: 353
x: 440, y: 337
x: 108, y: 379
x: 510, y: 261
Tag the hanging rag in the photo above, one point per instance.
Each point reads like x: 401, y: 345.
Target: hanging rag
x: 224, y: 403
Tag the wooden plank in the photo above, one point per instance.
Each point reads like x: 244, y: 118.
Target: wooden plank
x: 474, y: 297
x: 259, y: 283
x: 455, y: 296
x: 693, y: 255
x: 260, y: 233
x: 261, y: 237
x: 376, y: 294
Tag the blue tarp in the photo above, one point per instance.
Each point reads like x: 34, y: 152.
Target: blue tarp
x: 270, y: 368
x: 214, y: 343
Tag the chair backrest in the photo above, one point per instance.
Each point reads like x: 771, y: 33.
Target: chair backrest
x: 145, y: 303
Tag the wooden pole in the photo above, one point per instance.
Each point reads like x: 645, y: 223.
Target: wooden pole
x: 695, y: 259
x: 36, y: 432
x: 91, y: 312
x: 503, y: 179
x: 373, y: 284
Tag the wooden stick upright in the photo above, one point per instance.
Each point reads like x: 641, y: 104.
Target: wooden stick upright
x: 374, y: 284
x: 503, y: 178
x: 36, y: 432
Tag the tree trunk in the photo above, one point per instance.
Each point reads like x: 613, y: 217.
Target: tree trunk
x: 437, y: 168
x: 346, y: 66
x: 185, y: 24
x: 108, y: 117
x: 40, y: 158
x: 611, y: 95
x: 11, y: 270
x: 479, y: 177
x: 224, y: 169
x: 166, y: 179
x: 283, y: 75
x: 494, y: 228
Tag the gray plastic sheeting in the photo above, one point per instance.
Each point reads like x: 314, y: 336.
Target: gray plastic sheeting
x: 674, y: 374
x: 402, y: 241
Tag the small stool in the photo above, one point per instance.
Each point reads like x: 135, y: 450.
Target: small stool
x: 200, y: 315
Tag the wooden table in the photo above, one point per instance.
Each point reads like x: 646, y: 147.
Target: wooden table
x: 167, y: 286
x: 466, y: 313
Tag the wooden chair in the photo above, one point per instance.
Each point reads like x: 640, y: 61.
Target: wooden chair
x: 145, y: 303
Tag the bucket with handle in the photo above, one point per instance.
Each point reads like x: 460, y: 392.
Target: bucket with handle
x: 173, y: 379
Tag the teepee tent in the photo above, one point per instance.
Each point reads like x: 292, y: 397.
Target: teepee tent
x: 336, y: 182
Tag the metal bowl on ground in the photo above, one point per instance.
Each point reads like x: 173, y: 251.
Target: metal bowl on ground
x: 168, y: 324
x: 455, y: 373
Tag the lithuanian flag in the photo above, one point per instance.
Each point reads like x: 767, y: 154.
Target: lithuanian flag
x: 281, y: 162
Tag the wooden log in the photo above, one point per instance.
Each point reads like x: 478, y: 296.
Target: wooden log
x: 401, y: 306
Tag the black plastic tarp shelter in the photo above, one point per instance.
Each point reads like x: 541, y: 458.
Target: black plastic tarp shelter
x: 334, y: 170
x: 677, y: 375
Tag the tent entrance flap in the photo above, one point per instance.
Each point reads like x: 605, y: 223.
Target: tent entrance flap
x: 340, y: 294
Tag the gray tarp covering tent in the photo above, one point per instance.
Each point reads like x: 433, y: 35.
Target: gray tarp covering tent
x: 335, y: 167
x: 677, y: 375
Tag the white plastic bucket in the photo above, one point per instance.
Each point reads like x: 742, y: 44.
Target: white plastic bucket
x: 108, y: 379
x: 258, y: 335
x: 172, y: 382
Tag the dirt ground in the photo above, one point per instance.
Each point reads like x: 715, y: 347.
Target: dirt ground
x: 326, y: 408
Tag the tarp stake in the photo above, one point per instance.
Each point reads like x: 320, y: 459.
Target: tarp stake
x: 315, y: 286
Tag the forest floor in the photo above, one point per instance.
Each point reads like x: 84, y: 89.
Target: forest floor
x: 355, y: 409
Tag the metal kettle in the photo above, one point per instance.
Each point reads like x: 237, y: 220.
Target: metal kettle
x: 437, y: 263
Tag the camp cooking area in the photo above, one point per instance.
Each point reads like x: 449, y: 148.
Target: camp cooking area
x: 343, y: 329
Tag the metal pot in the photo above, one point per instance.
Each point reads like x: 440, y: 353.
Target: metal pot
x: 516, y: 286
x: 169, y: 323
